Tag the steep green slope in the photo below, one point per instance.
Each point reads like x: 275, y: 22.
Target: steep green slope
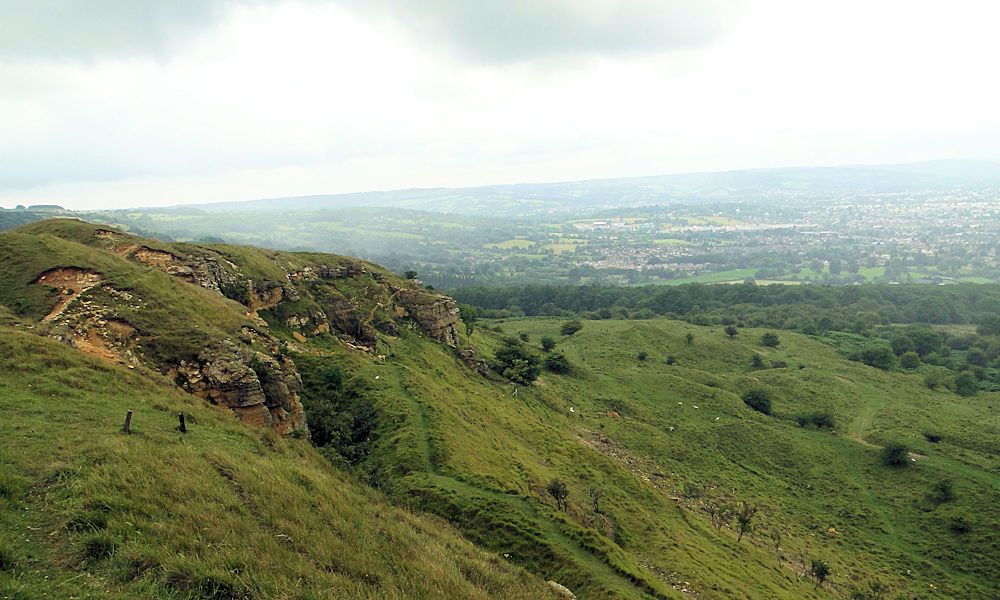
x: 666, y: 445
x: 825, y: 493
x: 658, y: 453
x: 223, y: 511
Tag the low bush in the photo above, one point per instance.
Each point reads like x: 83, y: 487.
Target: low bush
x: 758, y: 399
x: 816, y: 419
x: 895, y: 455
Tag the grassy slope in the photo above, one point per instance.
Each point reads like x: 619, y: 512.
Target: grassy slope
x: 224, y: 511
x: 460, y: 446
x: 470, y: 450
x: 168, y: 309
x: 806, y: 481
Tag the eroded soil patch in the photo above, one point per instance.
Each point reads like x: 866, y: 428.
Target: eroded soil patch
x: 71, y: 282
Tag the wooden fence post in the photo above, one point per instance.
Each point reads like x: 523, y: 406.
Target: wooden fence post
x: 182, y: 427
x: 128, y: 421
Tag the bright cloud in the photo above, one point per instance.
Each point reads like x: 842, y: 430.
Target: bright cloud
x: 226, y: 100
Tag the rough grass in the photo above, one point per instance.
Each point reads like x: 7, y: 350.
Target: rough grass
x: 472, y: 451
x: 806, y: 481
x: 221, y: 512
x: 662, y: 444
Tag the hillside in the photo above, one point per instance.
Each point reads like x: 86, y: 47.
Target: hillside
x: 224, y: 511
x: 657, y: 453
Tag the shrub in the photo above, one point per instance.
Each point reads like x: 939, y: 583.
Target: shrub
x: 976, y: 357
x: 516, y: 363
x: 237, y: 291
x: 880, y: 357
x: 966, y: 384
x: 817, y: 419
x: 642, y: 356
x: 731, y: 331
x: 758, y: 399
x: 895, y: 455
x: 559, y: 492
x: 909, y: 360
x: 820, y: 570
x: 935, y: 378
x: 932, y: 436
x: 959, y: 523
x: 548, y: 343
x: 468, y: 315
x: 523, y: 336
x: 941, y: 492
x: 692, y: 490
x: 570, y: 327
x: 757, y: 362
x: 770, y: 339
x: 671, y: 360
x: 557, y: 363
x: 264, y: 373
x: 642, y: 313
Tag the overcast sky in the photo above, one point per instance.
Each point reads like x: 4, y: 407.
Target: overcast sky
x: 118, y: 103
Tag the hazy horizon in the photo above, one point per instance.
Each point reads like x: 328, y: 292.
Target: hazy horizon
x: 152, y: 104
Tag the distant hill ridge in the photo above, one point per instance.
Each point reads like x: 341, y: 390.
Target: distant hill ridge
x: 533, y: 198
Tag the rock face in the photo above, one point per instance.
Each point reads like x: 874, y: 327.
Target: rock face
x: 437, y: 315
x: 260, y: 389
x: 234, y: 361
x: 349, y: 298
x: 344, y: 318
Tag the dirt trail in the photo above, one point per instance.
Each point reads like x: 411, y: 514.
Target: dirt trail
x: 95, y: 346
x: 71, y: 282
x: 124, y: 251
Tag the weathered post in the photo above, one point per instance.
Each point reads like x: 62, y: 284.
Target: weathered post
x: 128, y: 421
x: 182, y: 427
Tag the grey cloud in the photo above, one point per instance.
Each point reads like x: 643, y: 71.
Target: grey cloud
x: 493, y: 31
x: 500, y: 32
x: 87, y: 29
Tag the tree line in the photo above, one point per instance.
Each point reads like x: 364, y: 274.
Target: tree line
x: 805, y: 308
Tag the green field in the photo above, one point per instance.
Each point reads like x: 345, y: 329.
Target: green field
x: 733, y: 276
x: 509, y: 244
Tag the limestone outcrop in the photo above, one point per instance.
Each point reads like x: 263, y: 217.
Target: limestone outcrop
x: 437, y: 315
x: 260, y: 389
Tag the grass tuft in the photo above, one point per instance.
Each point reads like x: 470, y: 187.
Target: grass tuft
x: 7, y: 562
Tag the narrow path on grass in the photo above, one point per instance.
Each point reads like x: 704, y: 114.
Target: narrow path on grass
x: 549, y: 529
x: 863, y: 422
x: 875, y: 400
x: 417, y: 418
